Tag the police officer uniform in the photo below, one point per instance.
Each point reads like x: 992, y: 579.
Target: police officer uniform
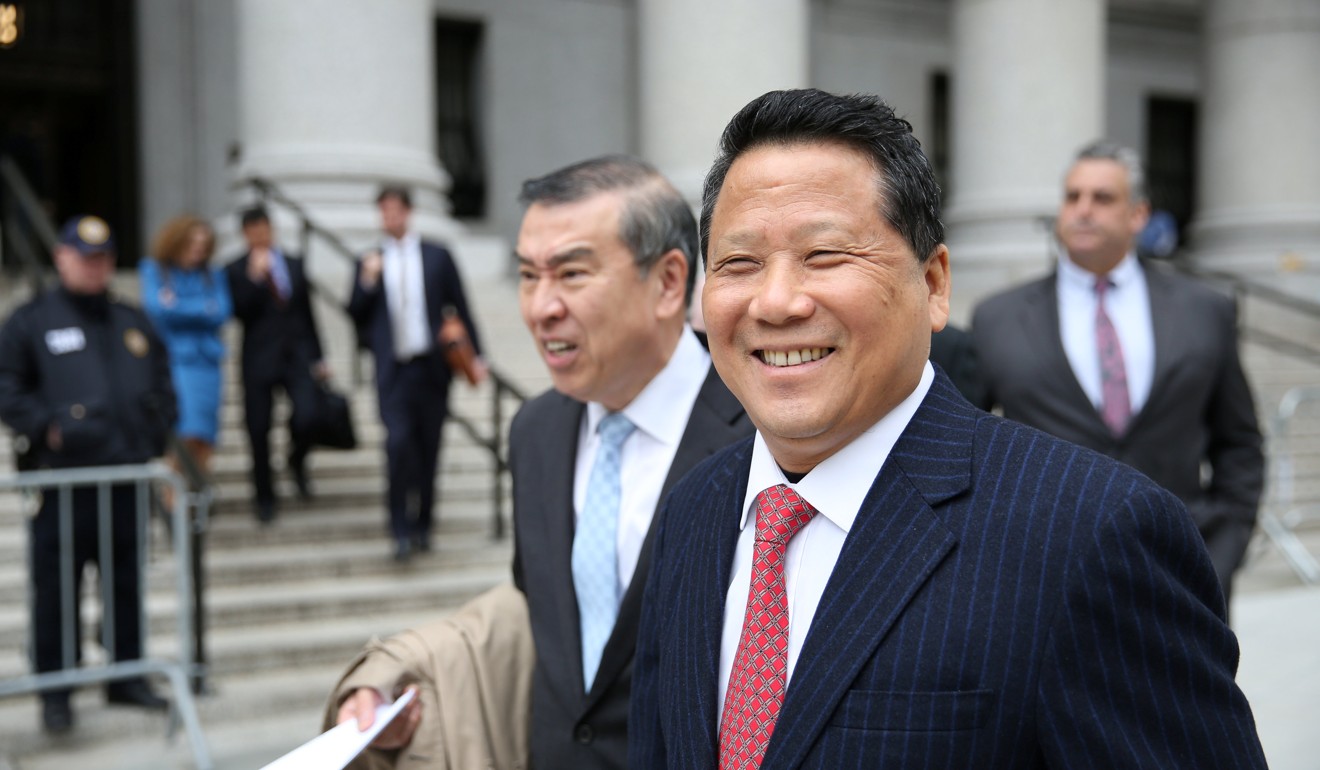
x: 91, y: 370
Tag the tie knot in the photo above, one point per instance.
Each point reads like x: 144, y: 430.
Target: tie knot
x: 614, y: 429
x: 780, y: 513
x: 1102, y: 285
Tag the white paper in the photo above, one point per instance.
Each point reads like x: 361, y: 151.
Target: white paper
x: 336, y: 747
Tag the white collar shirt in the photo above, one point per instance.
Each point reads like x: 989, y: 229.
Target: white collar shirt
x: 405, y: 294
x: 1127, y: 303
x: 660, y: 413
x: 836, y: 488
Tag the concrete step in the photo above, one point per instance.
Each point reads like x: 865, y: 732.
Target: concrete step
x: 423, y: 583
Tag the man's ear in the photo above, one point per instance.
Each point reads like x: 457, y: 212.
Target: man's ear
x: 670, y: 274
x: 939, y: 287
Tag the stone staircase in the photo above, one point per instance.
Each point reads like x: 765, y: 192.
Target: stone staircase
x: 288, y: 605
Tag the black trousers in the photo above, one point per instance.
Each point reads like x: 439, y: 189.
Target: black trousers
x: 259, y: 388
x: 413, y: 406
x: 126, y: 585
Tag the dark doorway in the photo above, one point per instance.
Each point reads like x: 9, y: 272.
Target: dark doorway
x: 457, y: 100
x: 1171, y: 156
x: 67, y: 86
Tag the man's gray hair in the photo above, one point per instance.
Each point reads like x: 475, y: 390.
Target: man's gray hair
x: 654, y: 218
x: 1126, y: 157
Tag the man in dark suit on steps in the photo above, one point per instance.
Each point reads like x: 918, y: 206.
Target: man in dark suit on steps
x: 281, y: 349
x: 885, y: 576
x: 1169, y: 397
x: 400, y: 296
x: 606, y: 256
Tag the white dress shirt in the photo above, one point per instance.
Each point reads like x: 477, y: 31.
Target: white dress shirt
x: 1128, y: 304
x: 660, y: 413
x: 405, y: 292
x: 836, y: 487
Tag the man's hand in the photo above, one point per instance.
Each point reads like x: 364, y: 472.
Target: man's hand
x: 258, y: 266
x: 481, y: 369
x: 321, y: 371
x: 361, y: 705
x: 54, y: 439
x: 372, y: 265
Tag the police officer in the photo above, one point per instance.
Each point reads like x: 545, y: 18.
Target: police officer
x: 85, y: 381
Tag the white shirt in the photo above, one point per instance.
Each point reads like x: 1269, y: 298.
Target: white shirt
x: 660, y: 413
x: 405, y: 292
x: 836, y: 487
x: 1127, y: 303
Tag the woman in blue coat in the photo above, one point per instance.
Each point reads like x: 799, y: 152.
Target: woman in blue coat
x: 189, y: 302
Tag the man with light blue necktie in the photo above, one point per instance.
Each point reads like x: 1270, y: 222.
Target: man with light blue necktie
x: 606, y: 253
x: 280, y: 349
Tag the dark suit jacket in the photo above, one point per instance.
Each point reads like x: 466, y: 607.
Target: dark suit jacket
x: 1200, y: 406
x: 1003, y: 600
x: 951, y: 349
x: 572, y: 729
x: 371, y: 313
x: 275, y: 334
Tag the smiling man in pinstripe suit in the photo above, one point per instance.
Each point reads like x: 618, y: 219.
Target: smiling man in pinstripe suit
x: 884, y: 576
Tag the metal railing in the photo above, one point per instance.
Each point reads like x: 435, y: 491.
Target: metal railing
x: 105, y: 481
x: 502, y: 388
x: 1246, y: 289
x: 1284, y: 510
x: 22, y: 221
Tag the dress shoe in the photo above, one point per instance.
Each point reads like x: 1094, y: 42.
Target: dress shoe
x: 134, y: 692
x: 299, y: 471
x: 56, y: 714
x: 402, y: 550
x: 265, y: 511
x: 421, y: 542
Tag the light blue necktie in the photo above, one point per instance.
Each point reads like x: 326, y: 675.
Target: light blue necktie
x: 595, y: 563
x: 279, y: 275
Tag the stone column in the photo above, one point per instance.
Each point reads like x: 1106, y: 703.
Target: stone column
x: 336, y: 97
x: 1259, y: 191
x: 1028, y: 91
x: 699, y: 63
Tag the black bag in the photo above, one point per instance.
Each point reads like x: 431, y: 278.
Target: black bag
x: 326, y: 419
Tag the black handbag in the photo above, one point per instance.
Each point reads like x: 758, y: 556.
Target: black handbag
x: 327, y: 420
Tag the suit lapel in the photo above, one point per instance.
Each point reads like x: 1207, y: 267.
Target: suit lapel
x: 895, y: 544
x: 711, y: 427
x: 435, y: 304
x: 1166, y: 327
x: 562, y: 429
x: 1041, y: 312
x: 707, y: 564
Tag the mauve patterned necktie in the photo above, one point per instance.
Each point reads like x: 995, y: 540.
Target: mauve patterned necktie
x: 760, y: 666
x: 1115, y: 406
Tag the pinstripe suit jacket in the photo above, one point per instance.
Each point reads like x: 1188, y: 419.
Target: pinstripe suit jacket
x: 1003, y: 600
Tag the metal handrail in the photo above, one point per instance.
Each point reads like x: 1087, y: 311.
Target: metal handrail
x: 501, y: 386
x: 23, y: 199
x: 1246, y: 288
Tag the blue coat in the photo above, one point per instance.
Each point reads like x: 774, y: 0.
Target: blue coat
x: 188, y: 309
x: 1003, y: 600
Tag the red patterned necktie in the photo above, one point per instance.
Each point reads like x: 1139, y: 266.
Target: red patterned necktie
x: 1115, y: 408
x: 760, y: 667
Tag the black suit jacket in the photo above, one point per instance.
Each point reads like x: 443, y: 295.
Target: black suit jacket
x: 1200, y: 407
x: 1004, y: 599
x: 570, y: 728
x: 276, y: 333
x: 371, y: 313
x: 951, y: 349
